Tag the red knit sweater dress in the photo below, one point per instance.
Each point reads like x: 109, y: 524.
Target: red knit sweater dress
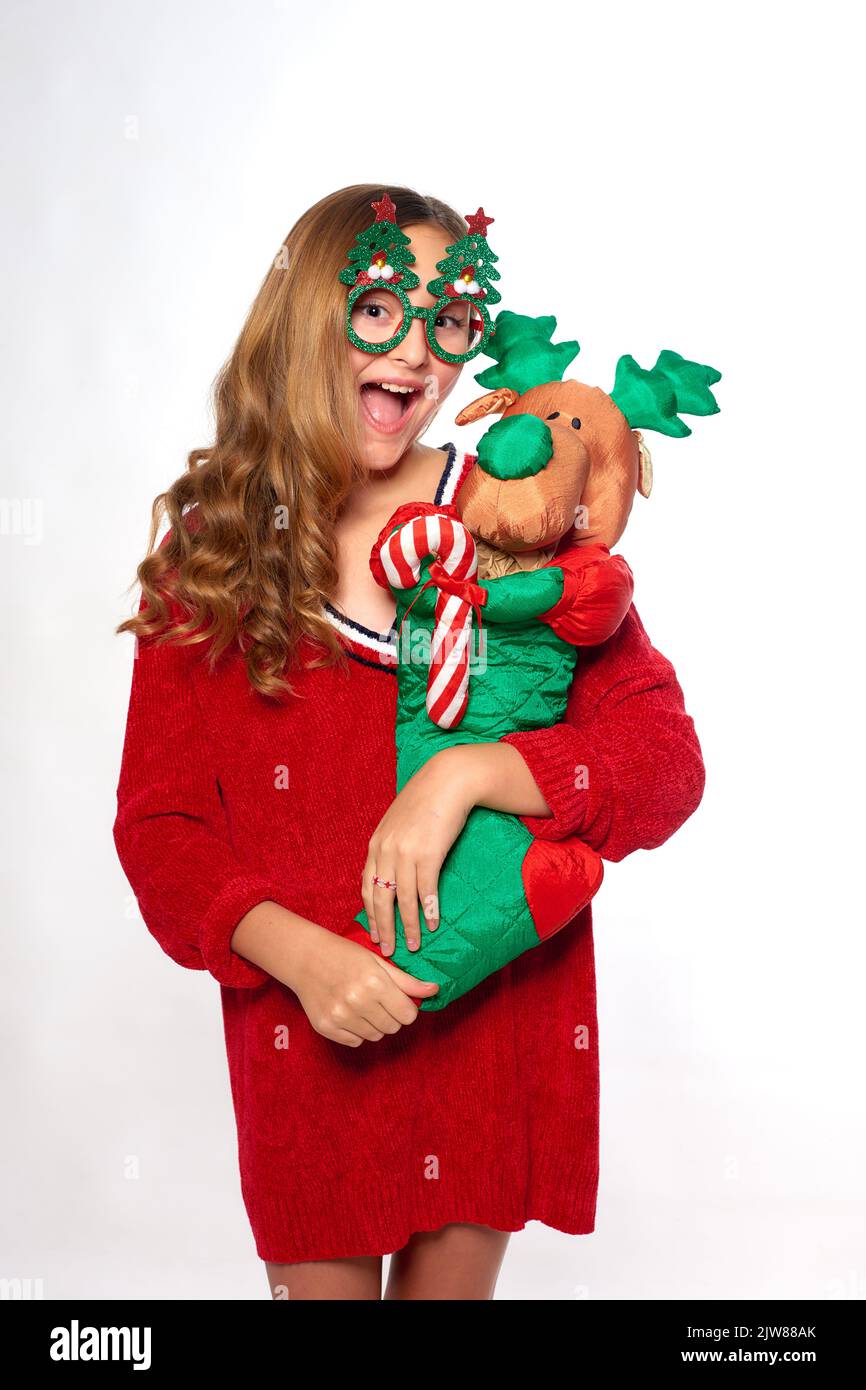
x: 485, y: 1112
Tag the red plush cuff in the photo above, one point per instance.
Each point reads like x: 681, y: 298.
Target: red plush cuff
x: 234, y: 902
x: 562, y: 769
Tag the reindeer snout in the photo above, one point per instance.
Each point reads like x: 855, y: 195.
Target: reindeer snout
x: 518, y: 446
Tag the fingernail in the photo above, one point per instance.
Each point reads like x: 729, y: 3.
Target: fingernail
x: 374, y: 935
x: 412, y: 944
x: 431, y: 906
x: 386, y: 949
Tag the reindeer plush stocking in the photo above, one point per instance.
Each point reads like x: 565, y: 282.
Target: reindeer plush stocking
x: 521, y: 563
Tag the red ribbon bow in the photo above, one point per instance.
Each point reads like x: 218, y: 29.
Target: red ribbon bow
x: 466, y: 589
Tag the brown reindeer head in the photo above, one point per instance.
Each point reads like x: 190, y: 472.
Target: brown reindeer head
x: 565, y: 456
x: 569, y: 460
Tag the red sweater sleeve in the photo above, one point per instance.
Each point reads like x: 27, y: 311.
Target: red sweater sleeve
x: 624, y: 770
x: 170, y: 832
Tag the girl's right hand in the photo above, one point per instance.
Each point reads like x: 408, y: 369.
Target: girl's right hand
x: 349, y: 993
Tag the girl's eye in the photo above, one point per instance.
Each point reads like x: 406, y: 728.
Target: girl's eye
x: 377, y: 316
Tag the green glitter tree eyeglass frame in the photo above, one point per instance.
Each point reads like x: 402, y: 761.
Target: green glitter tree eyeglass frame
x: 380, y: 259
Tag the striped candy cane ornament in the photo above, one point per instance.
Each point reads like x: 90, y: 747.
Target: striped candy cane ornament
x: 453, y: 569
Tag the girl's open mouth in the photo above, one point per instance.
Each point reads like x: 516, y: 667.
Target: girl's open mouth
x: 386, y: 409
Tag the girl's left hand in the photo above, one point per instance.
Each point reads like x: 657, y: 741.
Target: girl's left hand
x: 410, y: 843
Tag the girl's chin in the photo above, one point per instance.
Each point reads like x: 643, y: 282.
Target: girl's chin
x: 382, y: 454
x: 385, y: 447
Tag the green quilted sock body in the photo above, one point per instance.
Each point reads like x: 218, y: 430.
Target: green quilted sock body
x: 520, y: 675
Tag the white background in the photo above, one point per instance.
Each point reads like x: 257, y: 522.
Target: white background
x: 666, y: 175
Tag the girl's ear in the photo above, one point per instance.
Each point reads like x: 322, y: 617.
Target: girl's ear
x: 494, y: 403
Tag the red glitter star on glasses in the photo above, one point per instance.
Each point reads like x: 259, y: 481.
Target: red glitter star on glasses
x: 385, y: 209
x: 478, y: 223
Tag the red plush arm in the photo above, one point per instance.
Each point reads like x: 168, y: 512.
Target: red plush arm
x: 596, y: 595
x: 624, y: 770
x: 171, y: 833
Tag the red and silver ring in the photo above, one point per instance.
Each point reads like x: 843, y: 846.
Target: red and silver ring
x: 383, y: 882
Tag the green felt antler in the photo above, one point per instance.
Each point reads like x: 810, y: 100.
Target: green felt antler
x: 525, y: 353
x: 526, y: 356
x: 654, y: 399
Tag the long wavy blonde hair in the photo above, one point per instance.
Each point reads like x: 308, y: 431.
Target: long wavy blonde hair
x: 251, y: 554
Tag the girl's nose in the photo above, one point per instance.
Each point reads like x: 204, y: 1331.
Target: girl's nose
x: 413, y: 350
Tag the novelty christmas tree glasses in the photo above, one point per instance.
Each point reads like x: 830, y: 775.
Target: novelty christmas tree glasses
x: 378, y: 313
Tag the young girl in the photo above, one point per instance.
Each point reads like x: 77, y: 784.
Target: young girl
x: 256, y: 807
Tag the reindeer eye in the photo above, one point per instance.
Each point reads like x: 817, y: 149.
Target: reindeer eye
x: 554, y: 416
x: 575, y: 424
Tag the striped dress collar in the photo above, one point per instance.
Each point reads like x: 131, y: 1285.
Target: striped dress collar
x: 379, y: 649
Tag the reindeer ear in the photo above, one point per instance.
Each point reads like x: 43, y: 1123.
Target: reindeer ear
x: 494, y: 403
x: 645, y: 466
